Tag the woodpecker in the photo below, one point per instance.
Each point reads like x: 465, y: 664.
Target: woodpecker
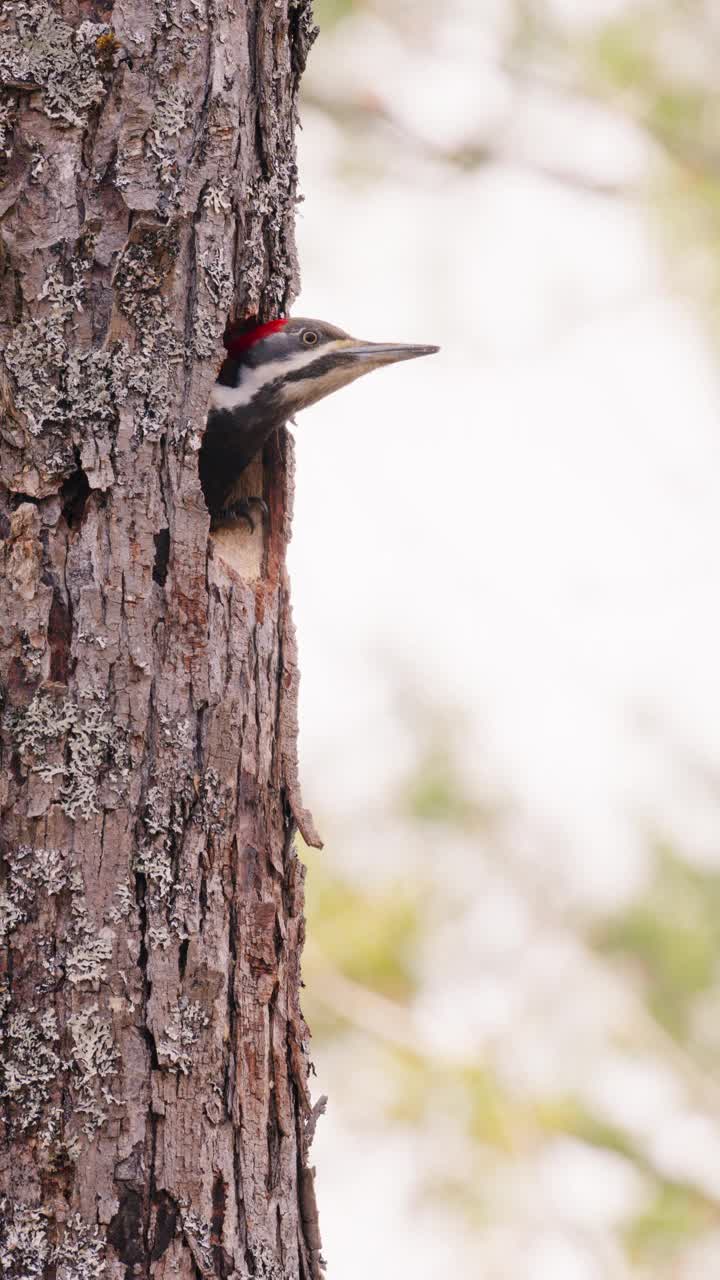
x: 271, y: 371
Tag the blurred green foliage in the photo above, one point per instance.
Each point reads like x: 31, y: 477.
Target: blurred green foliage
x: 676, y: 1215
x: 436, y: 788
x: 629, y: 56
x: 376, y: 936
x: 656, y: 63
x: 673, y: 935
x: 459, y: 1193
x: 328, y: 12
x: 424, y: 1086
x: 370, y: 936
x: 433, y: 792
x: 620, y: 54
x: 571, y: 1117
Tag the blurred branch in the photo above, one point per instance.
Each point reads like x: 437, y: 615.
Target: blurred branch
x: 393, y: 1025
x: 684, y: 150
x: 384, y: 1019
x: 477, y: 152
x: 471, y: 155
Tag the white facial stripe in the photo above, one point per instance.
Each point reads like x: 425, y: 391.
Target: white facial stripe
x: 253, y: 380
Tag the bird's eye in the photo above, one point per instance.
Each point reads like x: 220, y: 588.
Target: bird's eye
x: 309, y: 338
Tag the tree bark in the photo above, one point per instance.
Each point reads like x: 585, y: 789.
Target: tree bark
x: 154, y: 1078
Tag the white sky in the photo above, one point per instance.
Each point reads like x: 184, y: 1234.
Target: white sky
x: 529, y: 520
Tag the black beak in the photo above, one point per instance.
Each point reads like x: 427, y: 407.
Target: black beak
x: 377, y: 354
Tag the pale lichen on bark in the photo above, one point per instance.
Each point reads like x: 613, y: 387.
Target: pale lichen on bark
x: 153, y: 1076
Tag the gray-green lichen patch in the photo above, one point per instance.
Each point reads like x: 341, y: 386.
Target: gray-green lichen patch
x: 217, y: 281
x: 32, y: 655
x: 212, y: 803
x: 8, y: 115
x: 37, y: 160
x: 30, y: 1068
x: 63, y: 62
x: 63, y: 394
x: 165, y: 817
x: 197, y: 1237
x: 148, y: 370
x: 217, y: 277
x: 37, y: 1055
x: 205, y: 334
x: 267, y: 1266
x: 24, y: 1241
x: 172, y: 116
x: 27, y: 1252
x: 271, y: 205
x: 88, y: 959
x: 37, y: 353
x: 159, y: 936
x: 141, y: 272
x: 93, y: 1062
x: 166, y: 813
x: 11, y: 915
x: 184, y: 1029
x: 176, y: 801
x: 172, y: 113
x: 169, y: 810
x: 168, y: 895
x: 80, y: 1255
x: 33, y: 875
x: 29, y: 872
x: 179, y: 27
x: 34, y: 870
x: 156, y: 864
x: 217, y: 196
x: 79, y: 744
x: 122, y: 906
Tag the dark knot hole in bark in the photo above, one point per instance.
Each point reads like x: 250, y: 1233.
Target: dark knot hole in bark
x: 75, y: 492
x: 162, y: 556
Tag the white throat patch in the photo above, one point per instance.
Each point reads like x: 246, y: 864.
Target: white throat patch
x: 254, y: 380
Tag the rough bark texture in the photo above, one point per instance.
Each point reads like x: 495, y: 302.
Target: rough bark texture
x: 153, y: 1082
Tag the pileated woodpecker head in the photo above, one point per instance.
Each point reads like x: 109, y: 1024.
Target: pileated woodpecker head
x: 269, y: 374
x: 278, y: 368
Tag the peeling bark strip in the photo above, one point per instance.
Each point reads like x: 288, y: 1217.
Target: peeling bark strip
x: 153, y: 1069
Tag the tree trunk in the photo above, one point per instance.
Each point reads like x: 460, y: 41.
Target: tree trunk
x: 155, y: 1108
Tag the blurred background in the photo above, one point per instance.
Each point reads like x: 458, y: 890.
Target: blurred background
x: 505, y: 576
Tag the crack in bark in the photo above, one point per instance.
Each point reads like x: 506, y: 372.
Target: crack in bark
x: 162, y: 555
x: 59, y: 635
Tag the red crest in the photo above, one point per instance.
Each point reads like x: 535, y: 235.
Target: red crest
x: 238, y: 340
